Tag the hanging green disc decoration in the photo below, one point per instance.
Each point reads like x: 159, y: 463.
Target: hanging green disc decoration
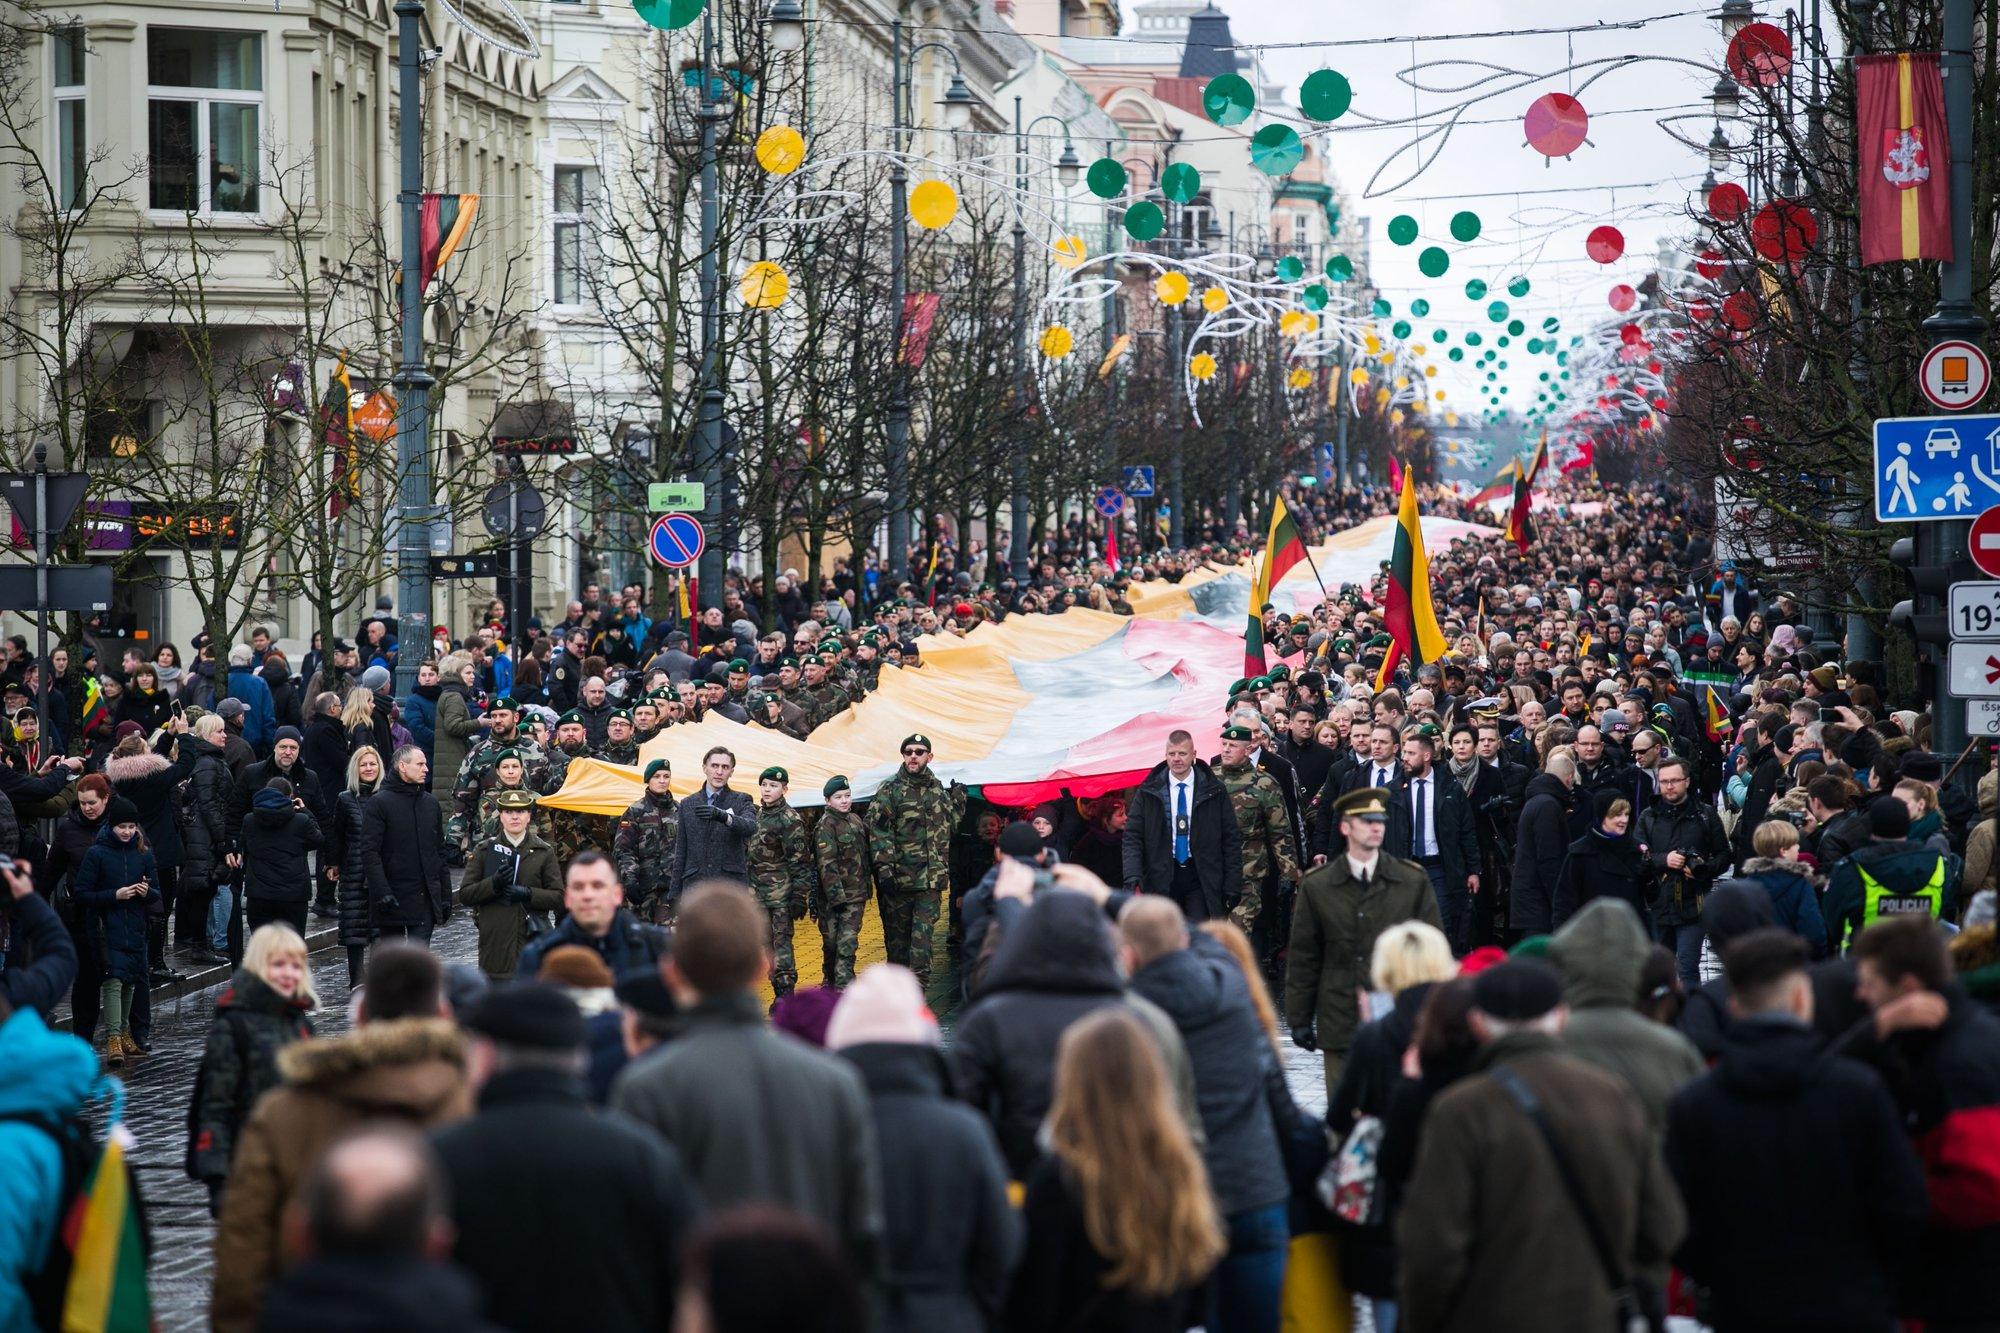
x: 1465, y: 226
x: 1497, y: 312
x: 1401, y: 328
x: 1314, y: 297
x: 1503, y: 341
x: 1275, y: 149
x: 1144, y: 220
x: 1518, y: 288
x: 1228, y: 99
x: 1381, y: 308
x: 1475, y: 290
x: 1420, y: 307
x: 669, y: 14
x: 1325, y: 95
x: 1534, y: 347
x: 1440, y: 335
x: 1402, y: 229
x: 1106, y: 178
x: 1516, y: 327
x: 1551, y: 324
x: 1291, y: 268
x: 1339, y: 268
x: 1473, y: 339
x: 1456, y: 354
x: 1433, y: 262
x: 1180, y: 183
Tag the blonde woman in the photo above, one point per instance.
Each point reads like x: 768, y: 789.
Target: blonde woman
x: 267, y: 1005
x: 1122, y: 1231
x: 357, y: 719
x: 365, y: 771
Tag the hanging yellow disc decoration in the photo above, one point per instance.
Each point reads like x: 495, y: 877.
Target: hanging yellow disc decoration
x: 764, y: 286
x: 1292, y: 323
x: 1374, y: 345
x: 1396, y: 417
x: 1450, y: 418
x: 1381, y: 397
x: 933, y: 204
x: 1215, y: 300
x: 1358, y: 376
x: 781, y: 150
x: 1202, y: 367
x: 1171, y: 288
x: 1300, y: 378
x: 1057, y: 342
x: 1071, y: 251
x: 1440, y: 395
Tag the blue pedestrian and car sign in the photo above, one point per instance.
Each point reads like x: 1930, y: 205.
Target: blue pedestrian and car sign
x: 1139, y: 481
x: 1931, y: 469
x: 676, y: 540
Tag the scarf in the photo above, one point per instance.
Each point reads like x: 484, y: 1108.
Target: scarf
x: 1467, y: 773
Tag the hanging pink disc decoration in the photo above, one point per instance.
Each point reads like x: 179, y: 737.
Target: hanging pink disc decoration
x: 1555, y: 124
x: 1604, y: 244
x: 1623, y: 298
x: 1709, y: 263
x: 1728, y: 202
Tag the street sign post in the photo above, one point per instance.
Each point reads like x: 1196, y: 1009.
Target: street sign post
x: 662, y: 496
x: 1955, y: 374
x: 676, y: 541
x: 1975, y: 610
x: 1109, y: 502
x: 1982, y: 717
x: 1138, y: 481
x: 45, y: 501
x: 465, y: 567
x: 1972, y: 670
x: 1929, y: 469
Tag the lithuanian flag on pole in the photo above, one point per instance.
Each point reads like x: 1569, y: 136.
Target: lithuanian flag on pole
x: 446, y: 218
x: 1715, y: 721
x: 1283, y: 548
x: 1502, y: 484
x: 107, y: 1278
x: 1406, y: 610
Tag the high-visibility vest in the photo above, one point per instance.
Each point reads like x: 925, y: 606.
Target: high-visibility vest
x: 1878, y: 900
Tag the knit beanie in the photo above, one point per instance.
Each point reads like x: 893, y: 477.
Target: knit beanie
x: 885, y: 1004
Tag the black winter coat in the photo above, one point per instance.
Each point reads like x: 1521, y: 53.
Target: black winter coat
x: 950, y: 1235
x: 324, y: 751
x: 304, y: 782
x: 1693, y: 829
x: 343, y: 850
x: 630, y: 945
x: 206, y: 832
x: 152, y: 784
x: 276, y: 837
x: 1540, y: 841
x: 402, y: 856
x: 114, y: 927
x: 149, y: 708
x: 1215, y: 844
x: 1456, y: 837
x: 252, y: 1024
x: 1803, y: 1196
x: 1202, y: 989
x: 536, y: 1149
x: 1600, y: 867
x: 1370, y: 1082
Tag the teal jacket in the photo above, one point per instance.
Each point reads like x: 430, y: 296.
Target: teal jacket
x: 49, y: 1075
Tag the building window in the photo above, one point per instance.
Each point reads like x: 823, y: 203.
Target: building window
x: 72, y: 143
x: 575, y: 198
x: 204, y: 113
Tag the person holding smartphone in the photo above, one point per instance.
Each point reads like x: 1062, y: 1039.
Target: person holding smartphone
x: 114, y: 886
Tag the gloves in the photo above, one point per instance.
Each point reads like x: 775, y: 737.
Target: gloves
x: 388, y: 902
x: 214, y: 1184
x: 1302, y: 1037
x: 716, y: 813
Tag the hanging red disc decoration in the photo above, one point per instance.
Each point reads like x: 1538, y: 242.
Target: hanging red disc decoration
x: 1631, y: 335
x: 1604, y: 244
x: 1759, y: 55
x: 1709, y: 263
x: 1783, y: 230
x: 1623, y: 298
x: 1739, y: 310
x: 1728, y: 202
x: 1555, y: 124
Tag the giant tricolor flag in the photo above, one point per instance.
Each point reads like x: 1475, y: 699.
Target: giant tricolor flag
x: 1406, y: 606
x: 1283, y: 548
x: 445, y: 221
x: 1905, y: 167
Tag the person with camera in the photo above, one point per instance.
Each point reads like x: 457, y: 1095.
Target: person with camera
x: 1685, y: 848
x: 277, y: 834
x: 114, y: 887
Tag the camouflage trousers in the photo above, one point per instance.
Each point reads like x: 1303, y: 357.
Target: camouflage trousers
x: 839, y: 937
x: 777, y: 904
x: 909, y: 927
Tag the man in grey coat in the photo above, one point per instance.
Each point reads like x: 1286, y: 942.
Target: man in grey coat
x: 756, y: 1115
x: 716, y: 824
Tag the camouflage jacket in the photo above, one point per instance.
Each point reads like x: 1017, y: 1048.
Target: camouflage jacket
x: 868, y: 676
x: 778, y: 855
x: 846, y: 847
x: 476, y: 778
x: 559, y: 762
x: 1264, y: 822
x: 644, y: 847
x: 614, y: 753
x: 823, y: 704
x: 916, y: 816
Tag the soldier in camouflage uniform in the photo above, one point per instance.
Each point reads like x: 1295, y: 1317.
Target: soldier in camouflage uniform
x: 1270, y: 855
x: 621, y: 744
x: 509, y: 774
x: 845, y: 847
x: 770, y: 711
x: 737, y: 682
x: 645, y: 719
x: 916, y: 814
x: 475, y: 776
x: 868, y: 665
x: 779, y: 859
x: 569, y: 831
x: 645, y: 846
x: 824, y: 700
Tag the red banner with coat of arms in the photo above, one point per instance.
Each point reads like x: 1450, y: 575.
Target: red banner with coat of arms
x: 1905, y: 158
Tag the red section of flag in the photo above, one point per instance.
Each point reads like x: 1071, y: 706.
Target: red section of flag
x: 919, y: 313
x: 1905, y: 168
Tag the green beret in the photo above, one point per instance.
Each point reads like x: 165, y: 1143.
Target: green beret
x: 514, y: 798
x: 571, y: 716
x: 505, y: 701
x: 658, y: 766
x: 1280, y: 672
x: 1381, y: 641
x: 1260, y: 682
x: 737, y: 664
x: 1343, y: 644
x: 916, y: 738
x: 509, y: 753
x: 788, y: 661
x: 1240, y: 683
x: 774, y: 774
x: 1234, y: 733
x: 834, y: 784
x: 759, y: 698
x: 619, y: 715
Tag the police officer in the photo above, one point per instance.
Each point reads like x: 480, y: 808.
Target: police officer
x: 1343, y: 906
x: 1890, y: 876
x: 644, y: 845
x: 916, y: 814
x: 781, y: 871
x: 845, y: 847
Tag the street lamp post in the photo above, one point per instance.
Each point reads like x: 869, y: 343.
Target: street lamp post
x: 958, y: 114
x: 413, y: 382
x: 711, y: 114
x: 1066, y: 167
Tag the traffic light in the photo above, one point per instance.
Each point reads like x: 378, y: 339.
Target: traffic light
x: 1926, y: 581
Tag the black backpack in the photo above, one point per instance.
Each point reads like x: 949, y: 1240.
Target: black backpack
x: 80, y: 1150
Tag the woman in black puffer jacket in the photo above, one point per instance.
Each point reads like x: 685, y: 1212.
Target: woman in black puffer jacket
x: 207, y: 843
x: 343, y: 857
x: 144, y: 776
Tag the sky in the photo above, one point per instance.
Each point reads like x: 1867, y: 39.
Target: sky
x: 1535, y: 212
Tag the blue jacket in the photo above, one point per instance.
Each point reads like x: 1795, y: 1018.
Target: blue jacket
x: 1794, y: 904
x: 116, y: 927
x: 420, y: 717
x: 260, y: 725
x: 630, y: 945
x: 49, y: 1074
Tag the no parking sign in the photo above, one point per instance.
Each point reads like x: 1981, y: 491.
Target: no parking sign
x: 676, y: 541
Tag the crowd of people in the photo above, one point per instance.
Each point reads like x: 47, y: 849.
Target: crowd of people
x: 1648, y: 951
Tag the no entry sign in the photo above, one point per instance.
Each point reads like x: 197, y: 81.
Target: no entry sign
x: 676, y: 540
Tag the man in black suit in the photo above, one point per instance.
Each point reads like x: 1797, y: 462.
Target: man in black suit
x: 1431, y: 823
x: 715, y: 828
x: 1380, y: 767
x: 1181, y: 837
